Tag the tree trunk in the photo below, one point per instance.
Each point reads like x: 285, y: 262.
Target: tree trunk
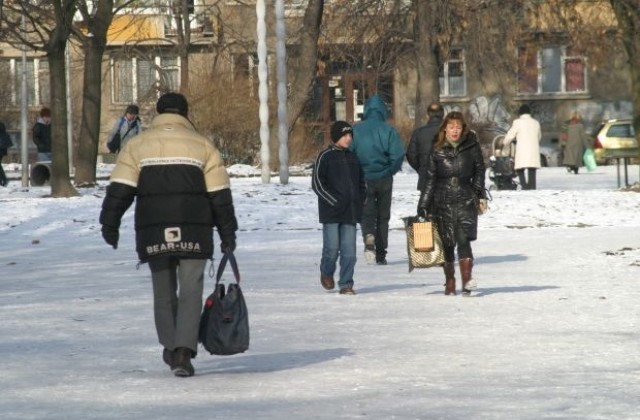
x: 94, y: 47
x: 60, y: 180
x: 184, y: 39
x: 91, y: 110
x: 628, y: 16
x: 426, y: 50
x: 301, y: 85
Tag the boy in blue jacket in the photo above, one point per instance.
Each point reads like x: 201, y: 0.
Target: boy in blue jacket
x: 338, y: 181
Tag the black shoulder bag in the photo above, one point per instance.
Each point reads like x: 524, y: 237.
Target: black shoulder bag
x: 224, y: 323
x: 114, y: 144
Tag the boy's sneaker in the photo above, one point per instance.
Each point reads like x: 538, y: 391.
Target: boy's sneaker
x: 370, y: 242
x: 347, y: 291
x: 370, y: 248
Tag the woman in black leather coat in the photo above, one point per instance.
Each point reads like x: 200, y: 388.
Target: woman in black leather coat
x: 455, y: 183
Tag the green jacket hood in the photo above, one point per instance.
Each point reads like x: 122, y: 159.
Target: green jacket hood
x: 375, y: 108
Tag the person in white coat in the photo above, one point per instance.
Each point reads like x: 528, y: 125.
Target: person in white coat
x: 526, y: 133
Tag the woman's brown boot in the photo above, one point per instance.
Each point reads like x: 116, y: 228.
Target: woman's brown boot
x: 450, y: 280
x: 468, y: 284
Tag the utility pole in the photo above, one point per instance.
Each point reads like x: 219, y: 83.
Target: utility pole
x: 24, y: 103
x: 263, y: 90
x: 283, y: 124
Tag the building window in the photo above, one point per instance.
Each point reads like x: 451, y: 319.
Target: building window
x: 37, y: 73
x: 140, y: 79
x: 550, y: 70
x: 452, y: 74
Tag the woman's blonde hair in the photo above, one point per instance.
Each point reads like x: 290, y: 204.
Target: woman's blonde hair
x: 442, y: 135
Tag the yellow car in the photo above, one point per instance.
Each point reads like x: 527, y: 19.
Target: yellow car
x: 615, y: 139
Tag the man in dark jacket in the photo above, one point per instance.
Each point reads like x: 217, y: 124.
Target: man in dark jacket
x: 421, y: 142
x: 5, y: 143
x: 182, y: 191
x: 381, y: 152
x: 42, y: 135
x: 339, y: 183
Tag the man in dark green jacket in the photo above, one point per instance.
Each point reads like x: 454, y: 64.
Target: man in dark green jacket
x: 381, y: 152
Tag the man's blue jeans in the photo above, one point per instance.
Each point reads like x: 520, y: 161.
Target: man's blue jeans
x: 339, y: 239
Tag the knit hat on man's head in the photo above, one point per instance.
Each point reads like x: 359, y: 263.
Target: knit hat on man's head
x: 173, y: 103
x: 339, y: 129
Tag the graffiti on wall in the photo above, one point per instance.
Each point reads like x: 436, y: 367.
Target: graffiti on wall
x: 491, y: 113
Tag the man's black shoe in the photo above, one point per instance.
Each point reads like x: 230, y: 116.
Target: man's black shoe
x: 381, y: 261
x: 168, y: 357
x: 182, y: 366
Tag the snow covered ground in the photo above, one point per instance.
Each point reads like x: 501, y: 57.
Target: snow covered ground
x: 552, y: 332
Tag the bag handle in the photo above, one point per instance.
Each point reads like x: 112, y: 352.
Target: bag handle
x: 228, y: 256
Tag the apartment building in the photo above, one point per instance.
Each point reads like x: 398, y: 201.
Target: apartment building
x: 147, y: 55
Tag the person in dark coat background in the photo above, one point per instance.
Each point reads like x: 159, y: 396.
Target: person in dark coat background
x: 5, y: 143
x: 577, y: 143
x: 421, y: 142
x: 381, y: 152
x: 42, y: 135
x: 454, y: 185
x: 338, y: 181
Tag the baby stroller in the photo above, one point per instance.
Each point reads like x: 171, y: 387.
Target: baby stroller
x: 501, y: 165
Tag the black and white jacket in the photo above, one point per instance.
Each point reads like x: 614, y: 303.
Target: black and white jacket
x: 181, y: 189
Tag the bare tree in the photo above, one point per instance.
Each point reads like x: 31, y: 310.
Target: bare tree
x: 48, y: 27
x: 97, y: 17
x: 380, y: 41
x: 180, y: 12
x: 427, y: 31
x: 306, y: 62
x: 628, y: 15
x: 184, y: 13
x: 488, y: 30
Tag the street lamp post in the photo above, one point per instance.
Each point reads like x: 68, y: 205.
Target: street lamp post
x: 283, y: 124
x: 24, y: 103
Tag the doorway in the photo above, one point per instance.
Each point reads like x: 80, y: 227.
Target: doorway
x: 342, y: 97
